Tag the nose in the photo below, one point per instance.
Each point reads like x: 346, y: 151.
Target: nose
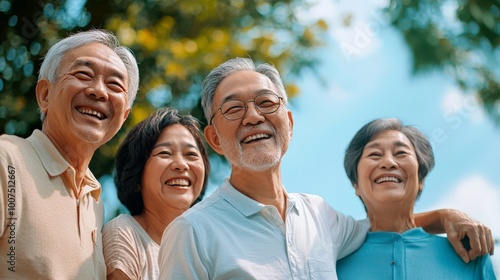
x: 388, y: 162
x: 252, y: 114
x: 179, y: 164
x: 97, y: 90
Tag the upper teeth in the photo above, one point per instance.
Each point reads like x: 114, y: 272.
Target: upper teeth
x: 256, y: 136
x: 90, y: 112
x: 387, y: 179
x: 181, y: 182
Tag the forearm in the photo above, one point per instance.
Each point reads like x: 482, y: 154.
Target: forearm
x: 432, y: 221
x: 457, y: 226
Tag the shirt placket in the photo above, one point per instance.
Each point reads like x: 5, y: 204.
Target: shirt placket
x: 398, y: 260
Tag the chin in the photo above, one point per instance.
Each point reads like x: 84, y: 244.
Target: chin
x: 260, y: 162
x: 94, y: 138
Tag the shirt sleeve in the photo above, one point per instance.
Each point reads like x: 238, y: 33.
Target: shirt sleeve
x: 179, y: 256
x: 351, y: 234
x: 121, y: 251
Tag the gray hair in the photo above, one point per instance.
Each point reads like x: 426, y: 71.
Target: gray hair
x: 423, y: 149
x: 212, y: 81
x: 53, y: 58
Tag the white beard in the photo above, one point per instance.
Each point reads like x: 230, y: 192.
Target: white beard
x: 260, y: 157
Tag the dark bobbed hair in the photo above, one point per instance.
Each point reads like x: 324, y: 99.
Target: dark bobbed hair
x: 423, y: 149
x: 137, y: 147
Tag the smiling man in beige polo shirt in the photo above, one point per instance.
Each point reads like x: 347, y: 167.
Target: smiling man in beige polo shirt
x: 50, y: 211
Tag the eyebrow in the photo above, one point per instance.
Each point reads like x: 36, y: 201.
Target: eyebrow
x: 167, y: 144
x: 91, y: 64
x: 398, y: 143
x: 260, y: 91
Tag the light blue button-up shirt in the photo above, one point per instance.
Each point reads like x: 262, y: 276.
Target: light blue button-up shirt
x: 230, y: 236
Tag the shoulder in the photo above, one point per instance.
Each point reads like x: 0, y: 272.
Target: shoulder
x: 202, y: 216
x: 204, y: 207
x: 311, y: 199
x: 314, y: 203
x: 8, y: 138
x: 120, y: 227
x: 10, y: 144
x: 120, y: 221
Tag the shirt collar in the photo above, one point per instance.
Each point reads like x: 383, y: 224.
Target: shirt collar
x: 246, y: 205
x: 55, y: 164
x: 385, y: 236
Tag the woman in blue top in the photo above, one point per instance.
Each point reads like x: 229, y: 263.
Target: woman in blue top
x: 387, y: 164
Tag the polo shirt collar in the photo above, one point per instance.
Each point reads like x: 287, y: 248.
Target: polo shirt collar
x: 385, y: 236
x: 55, y: 164
x: 244, y: 204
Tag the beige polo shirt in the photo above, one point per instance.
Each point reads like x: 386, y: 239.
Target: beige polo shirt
x: 46, y: 230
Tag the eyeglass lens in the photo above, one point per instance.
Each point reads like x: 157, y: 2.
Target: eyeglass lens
x: 266, y: 103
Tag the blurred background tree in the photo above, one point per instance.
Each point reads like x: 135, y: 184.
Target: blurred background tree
x: 460, y: 37
x: 175, y: 42
x: 178, y: 42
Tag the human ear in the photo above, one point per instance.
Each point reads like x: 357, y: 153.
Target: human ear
x: 290, y: 122
x: 213, y: 139
x: 42, y: 94
x: 356, y: 188
x: 125, y: 115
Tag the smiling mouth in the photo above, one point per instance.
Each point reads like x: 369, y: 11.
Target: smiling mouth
x: 183, y: 183
x: 388, y: 179
x: 256, y: 137
x: 91, y: 112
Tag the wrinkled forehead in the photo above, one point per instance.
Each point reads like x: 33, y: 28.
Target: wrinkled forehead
x: 97, y: 57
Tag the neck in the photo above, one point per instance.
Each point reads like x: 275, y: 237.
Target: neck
x: 77, y: 155
x: 265, y: 187
x: 393, y: 220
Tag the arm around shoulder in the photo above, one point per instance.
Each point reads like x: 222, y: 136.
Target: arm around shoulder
x: 457, y: 225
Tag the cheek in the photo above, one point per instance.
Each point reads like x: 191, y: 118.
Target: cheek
x: 363, y: 171
x: 412, y: 169
x: 152, y: 171
x: 199, y: 171
x: 120, y: 102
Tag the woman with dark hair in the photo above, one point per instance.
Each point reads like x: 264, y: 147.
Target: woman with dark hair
x: 161, y: 171
x: 387, y: 163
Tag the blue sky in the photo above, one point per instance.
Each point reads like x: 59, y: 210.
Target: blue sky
x: 376, y: 82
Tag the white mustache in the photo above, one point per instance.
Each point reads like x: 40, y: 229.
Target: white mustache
x: 245, y: 130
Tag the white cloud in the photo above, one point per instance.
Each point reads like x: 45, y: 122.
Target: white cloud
x: 457, y: 104
x: 480, y: 199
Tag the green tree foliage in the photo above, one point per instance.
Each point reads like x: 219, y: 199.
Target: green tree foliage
x: 176, y: 43
x: 461, y: 37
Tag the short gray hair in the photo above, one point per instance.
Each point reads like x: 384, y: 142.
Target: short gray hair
x: 53, y: 58
x: 212, y: 81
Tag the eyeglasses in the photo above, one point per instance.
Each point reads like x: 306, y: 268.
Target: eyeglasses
x: 234, y: 109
